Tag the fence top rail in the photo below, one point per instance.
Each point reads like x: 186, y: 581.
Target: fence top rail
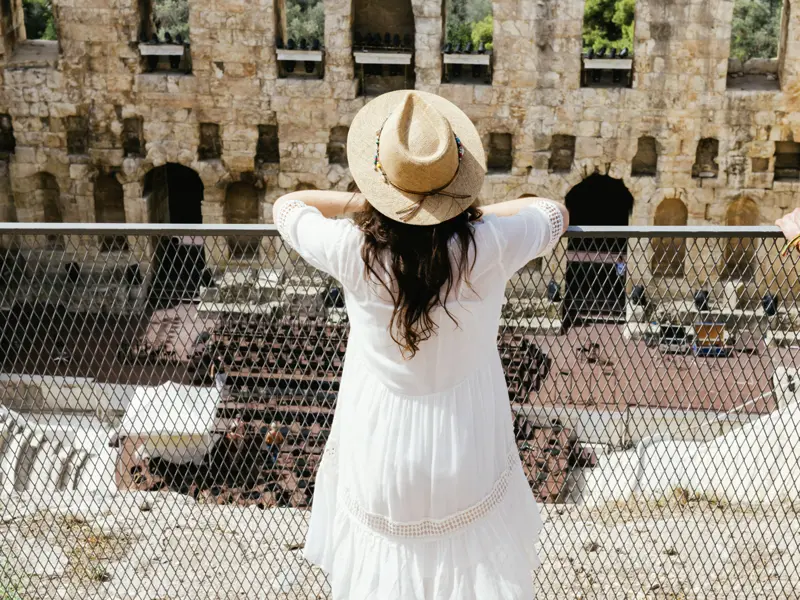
x: 169, y: 229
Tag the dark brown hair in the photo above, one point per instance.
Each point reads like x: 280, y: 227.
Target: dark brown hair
x: 413, y: 264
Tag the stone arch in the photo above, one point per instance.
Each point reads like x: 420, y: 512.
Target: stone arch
x: 174, y: 194
x: 669, y: 254
x: 242, y: 207
x: 738, y: 256
x: 109, y: 207
x: 596, y: 273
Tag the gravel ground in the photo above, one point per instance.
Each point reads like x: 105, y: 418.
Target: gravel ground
x: 141, y: 546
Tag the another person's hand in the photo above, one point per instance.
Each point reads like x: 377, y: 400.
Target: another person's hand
x: 790, y: 224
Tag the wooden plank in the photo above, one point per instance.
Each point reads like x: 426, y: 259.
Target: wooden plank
x: 382, y: 58
x: 467, y: 59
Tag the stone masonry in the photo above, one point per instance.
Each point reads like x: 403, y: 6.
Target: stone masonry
x: 78, y: 105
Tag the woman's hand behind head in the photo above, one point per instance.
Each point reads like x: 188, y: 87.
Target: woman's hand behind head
x: 790, y: 224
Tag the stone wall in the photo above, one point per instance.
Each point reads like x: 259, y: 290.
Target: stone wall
x: 91, y: 85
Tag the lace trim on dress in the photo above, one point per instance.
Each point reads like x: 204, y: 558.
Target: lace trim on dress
x: 430, y: 527
x: 286, y: 210
x: 551, y: 211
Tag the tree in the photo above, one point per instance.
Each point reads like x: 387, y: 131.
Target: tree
x: 469, y: 21
x: 305, y: 19
x: 756, y: 28
x: 172, y: 16
x: 39, y: 21
x: 608, y: 24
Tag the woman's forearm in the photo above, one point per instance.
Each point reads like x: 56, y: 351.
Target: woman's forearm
x: 512, y: 207
x: 329, y: 203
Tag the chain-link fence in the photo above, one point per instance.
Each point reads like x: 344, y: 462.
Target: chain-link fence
x: 167, y: 393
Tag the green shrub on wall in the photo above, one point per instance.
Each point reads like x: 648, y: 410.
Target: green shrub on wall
x: 608, y: 24
x: 469, y: 21
x: 172, y: 16
x: 39, y: 21
x: 305, y: 19
x: 756, y: 28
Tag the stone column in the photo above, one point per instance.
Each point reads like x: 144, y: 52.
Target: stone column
x: 428, y: 28
x: 339, y: 67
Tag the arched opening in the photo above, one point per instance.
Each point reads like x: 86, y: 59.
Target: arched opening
x: 242, y: 208
x: 669, y: 253
x: 174, y: 194
x: 596, y: 266
x: 109, y: 207
x: 48, y: 196
x: 739, y: 252
x: 383, y: 45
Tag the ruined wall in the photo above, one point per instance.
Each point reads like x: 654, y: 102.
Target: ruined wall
x: 76, y: 105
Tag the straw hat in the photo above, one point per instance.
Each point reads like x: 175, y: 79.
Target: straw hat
x: 416, y: 157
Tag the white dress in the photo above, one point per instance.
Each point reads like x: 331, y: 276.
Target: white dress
x: 420, y: 494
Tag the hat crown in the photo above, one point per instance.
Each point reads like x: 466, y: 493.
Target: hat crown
x: 418, y: 151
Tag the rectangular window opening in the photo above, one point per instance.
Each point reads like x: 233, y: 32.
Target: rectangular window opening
x: 758, y: 34
x: 645, y: 163
x: 301, y: 37
x: 705, y: 163
x: 383, y: 46
x: 562, y: 153
x: 787, y: 161
x: 467, y: 51
x: 210, y: 147
x: 267, y: 147
x: 164, y: 36
x: 608, y: 27
x: 337, y: 146
x: 500, y: 155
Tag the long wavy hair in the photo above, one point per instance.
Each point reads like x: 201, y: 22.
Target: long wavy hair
x: 414, y: 265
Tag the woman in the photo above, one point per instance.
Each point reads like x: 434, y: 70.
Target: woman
x: 420, y: 494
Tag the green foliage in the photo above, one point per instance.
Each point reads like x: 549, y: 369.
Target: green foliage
x: 608, y: 24
x: 756, y: 28
x: 305, y: 19
x: 469, y: 20
x: 482, y: 32
x: 172, y: 16
x: 39, y: 21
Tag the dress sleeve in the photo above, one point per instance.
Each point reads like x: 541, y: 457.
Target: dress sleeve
x: 325, y: 244
x: 532, y: 232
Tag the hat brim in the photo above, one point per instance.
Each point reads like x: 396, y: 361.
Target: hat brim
x: 389, y: 200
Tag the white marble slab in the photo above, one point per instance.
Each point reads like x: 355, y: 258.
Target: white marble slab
x: 161, y: 49
x: 467, y: 59
x: 620, y: 64
x: 304, y: 55
x: 382, y: 58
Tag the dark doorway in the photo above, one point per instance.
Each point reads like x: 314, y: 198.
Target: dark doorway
x: 174, y: 194
x: 596, y: 266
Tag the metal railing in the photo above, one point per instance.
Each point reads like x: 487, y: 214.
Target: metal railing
x: 167, y: 391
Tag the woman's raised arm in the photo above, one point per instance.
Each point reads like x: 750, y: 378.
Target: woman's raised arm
x: 512, y: 207
x: 329, y: 203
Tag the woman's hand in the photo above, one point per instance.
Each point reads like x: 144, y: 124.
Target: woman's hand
x: 790, y: 224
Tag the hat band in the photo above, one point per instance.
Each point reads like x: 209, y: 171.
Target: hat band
x: 409, y: 213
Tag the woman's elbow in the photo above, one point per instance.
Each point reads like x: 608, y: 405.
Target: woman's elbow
x: 564, y: 215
